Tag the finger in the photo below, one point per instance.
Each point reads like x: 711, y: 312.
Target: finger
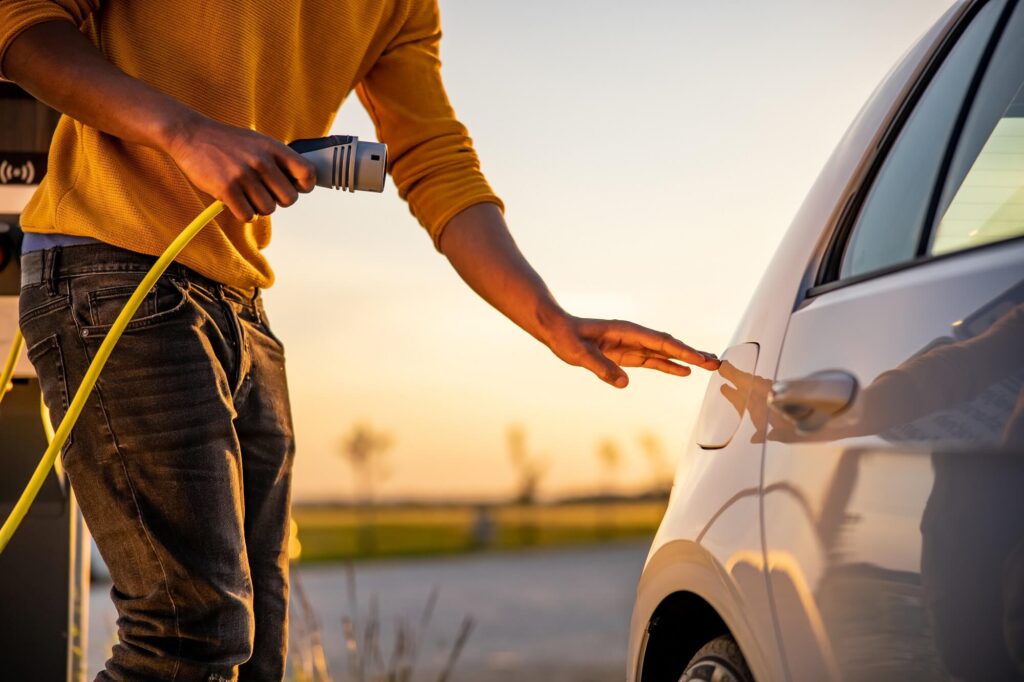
x: 631, y: 357
x: 637, y: 335
x: 605, y: 369
x: 648, y: 360
x: 259, y: 195
x: 238, y: 203
x: 281, y: 189
x: 300, y: 169
x: 666, y: 366
x: 674, y: 348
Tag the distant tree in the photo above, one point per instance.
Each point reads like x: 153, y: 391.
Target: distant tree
x: 530, y: 469
x: 609, y: 454
x: 654, y: 452
x: 364, y: 448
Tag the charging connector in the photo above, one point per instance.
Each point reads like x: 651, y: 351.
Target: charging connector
x: 345, y: 162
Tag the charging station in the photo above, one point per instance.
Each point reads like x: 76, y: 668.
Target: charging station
x: 44, y: 572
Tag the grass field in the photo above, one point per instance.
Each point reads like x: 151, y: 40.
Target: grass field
x: 331, y: 534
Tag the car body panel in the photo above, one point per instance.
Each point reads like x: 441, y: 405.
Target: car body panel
x: 710, y: 541
x: 845, y: 514
x: 900, y: 519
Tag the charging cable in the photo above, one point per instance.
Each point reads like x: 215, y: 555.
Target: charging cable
x: 341, y: 162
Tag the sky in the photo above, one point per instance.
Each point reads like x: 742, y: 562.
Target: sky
x: 650, y: 155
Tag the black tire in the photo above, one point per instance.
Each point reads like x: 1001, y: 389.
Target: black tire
x: 720, y: 660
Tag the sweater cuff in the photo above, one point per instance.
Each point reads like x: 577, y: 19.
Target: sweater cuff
x: 438, y: 199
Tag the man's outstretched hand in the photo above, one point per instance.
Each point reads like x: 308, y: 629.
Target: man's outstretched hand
x: 606, y: 346
x: 480, y: 248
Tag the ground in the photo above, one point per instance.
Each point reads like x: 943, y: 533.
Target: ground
x: 559, y: 615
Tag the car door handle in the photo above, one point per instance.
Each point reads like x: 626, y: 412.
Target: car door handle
x: 811, y: 401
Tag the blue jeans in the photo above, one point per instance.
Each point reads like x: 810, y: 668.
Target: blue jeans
x: 181, y: 460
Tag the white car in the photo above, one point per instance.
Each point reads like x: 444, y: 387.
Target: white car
x: 852, y: 503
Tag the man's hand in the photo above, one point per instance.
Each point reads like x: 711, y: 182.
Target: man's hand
x: 250, y: 172
x: 481, y: 250
x: 606, y: 346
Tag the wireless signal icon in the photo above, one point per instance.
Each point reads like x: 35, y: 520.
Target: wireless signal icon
x: 22, y: 174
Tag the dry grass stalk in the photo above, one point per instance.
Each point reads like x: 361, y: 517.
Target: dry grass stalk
x: 460, y: 642
x: 366, y: 661
x: 312, y: 659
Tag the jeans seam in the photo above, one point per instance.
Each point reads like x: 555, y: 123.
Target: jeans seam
x: 241, y: 373
x: 53, y: 341
x: 45, y: 308
x: 138, y: 508
x: 89, y: 270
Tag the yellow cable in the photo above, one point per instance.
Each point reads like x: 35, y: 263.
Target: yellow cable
x: 44, y: 415
x: 12, y: 360
x: 93, y: 373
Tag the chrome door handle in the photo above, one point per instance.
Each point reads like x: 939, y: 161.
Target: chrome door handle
x: 810, y: 402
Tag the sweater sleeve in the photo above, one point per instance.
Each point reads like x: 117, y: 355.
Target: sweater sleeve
x: 18, y: 15
x: 431, y: 157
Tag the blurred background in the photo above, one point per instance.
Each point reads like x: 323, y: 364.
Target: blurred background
x: 650, y: 156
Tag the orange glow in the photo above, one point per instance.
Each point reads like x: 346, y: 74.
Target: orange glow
x: 648, y: 182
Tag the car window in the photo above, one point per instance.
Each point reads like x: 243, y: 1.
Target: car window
x: 983, y: 197
x: 889, y: 226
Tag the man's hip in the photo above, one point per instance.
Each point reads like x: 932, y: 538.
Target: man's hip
x: 181, y: 460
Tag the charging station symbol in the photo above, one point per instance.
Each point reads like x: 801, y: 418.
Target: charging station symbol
x: 22, y: 174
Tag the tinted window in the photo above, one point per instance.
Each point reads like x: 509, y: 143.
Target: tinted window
x: 891, y: 220
x: 983, y: 198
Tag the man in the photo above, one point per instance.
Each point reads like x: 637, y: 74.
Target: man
x: 182, y: 460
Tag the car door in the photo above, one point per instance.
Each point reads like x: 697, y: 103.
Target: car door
x: 893, y: 478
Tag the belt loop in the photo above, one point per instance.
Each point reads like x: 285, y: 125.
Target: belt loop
x: 255, y: 301
x: 50, y: 269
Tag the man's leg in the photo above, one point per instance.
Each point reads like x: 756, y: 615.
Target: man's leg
x: 154, y: 460
x: 264, y: 427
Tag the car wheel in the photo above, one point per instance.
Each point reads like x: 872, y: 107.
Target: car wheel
x: 720, y: 660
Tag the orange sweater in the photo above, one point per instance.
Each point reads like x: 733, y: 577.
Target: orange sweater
x: 282, y: 68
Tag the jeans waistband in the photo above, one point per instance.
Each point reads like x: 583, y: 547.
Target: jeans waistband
x: 48, y: 265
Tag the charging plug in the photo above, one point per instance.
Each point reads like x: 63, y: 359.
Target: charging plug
x: 346, y: 162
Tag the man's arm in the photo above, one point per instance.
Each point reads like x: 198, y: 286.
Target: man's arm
x: 437, y: 171
x: 478, y: 245
x: 251, y: 173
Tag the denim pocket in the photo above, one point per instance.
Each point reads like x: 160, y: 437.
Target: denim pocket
x: 36, y: 301
x: 98, y: 300
x: 48, y: 361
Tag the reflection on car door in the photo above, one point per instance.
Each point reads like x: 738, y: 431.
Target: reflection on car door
x: 894, y: 463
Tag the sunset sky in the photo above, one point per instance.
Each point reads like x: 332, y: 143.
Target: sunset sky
x: 650, y: 156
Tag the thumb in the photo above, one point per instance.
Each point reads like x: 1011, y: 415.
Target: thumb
x: 301, y: 169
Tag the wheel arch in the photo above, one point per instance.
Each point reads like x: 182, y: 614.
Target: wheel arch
x: 681, y: 624
x: 684, y: 600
